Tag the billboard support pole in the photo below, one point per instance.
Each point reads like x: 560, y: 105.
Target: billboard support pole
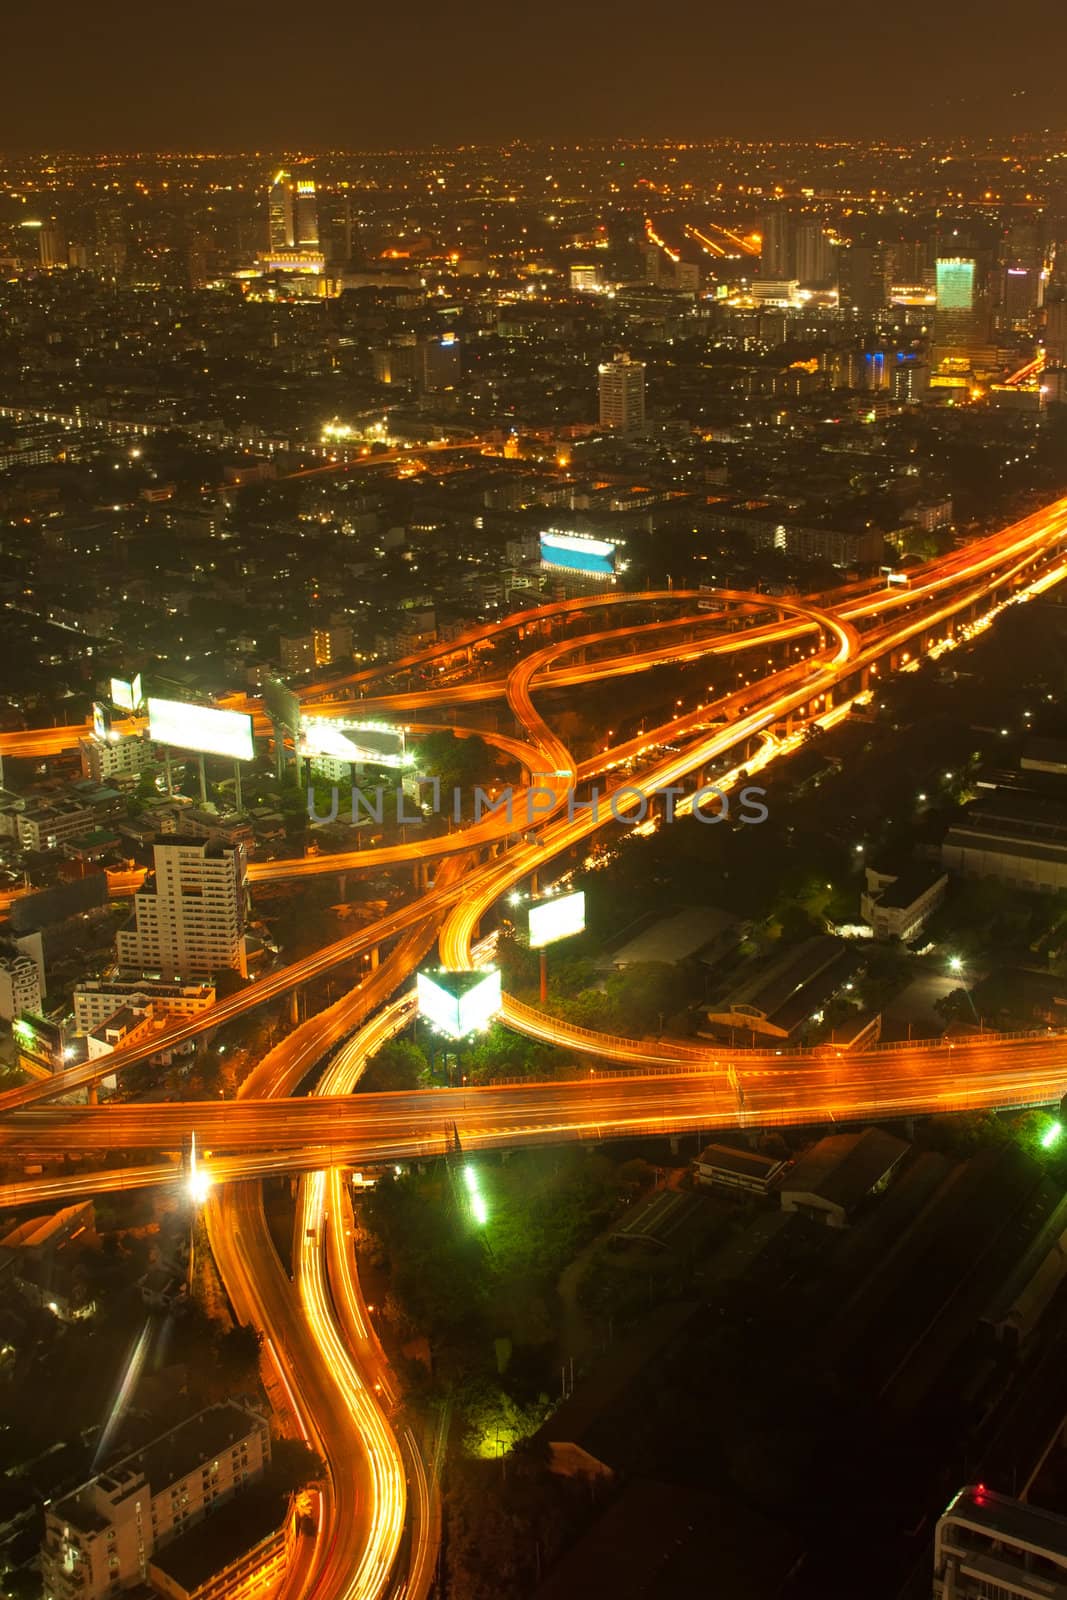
x: 544, y: 973
x: 237, y: 795
x: 203, y: 779
x: 167, y: 772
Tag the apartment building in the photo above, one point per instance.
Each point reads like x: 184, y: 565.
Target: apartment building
x: 189, y: 919
x: 100, y: 1539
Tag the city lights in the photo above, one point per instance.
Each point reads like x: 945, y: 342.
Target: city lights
x: 483, y: 508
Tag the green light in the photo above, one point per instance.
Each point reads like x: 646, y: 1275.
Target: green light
x: 1052, y: 1135
x: 479, y: 1209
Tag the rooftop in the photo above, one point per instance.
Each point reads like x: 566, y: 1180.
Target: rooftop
x: 846, y: 1166
x: 675, y: 938
x: 166, y: 1460
x: 1005, y: 1518
x: 223, y: 1536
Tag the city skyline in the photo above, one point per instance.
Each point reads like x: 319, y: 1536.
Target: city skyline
x: 533, y: 819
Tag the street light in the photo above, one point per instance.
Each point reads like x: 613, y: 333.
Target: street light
x: 955, y: 963
x: 479, y: 1209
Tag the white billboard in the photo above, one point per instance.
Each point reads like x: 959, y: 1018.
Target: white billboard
x: 558, y: 918
x: 459, y: 1003
x: 127, y: 694
x: 101, y: 721
x: 377, y: 744
x: 201, y: 728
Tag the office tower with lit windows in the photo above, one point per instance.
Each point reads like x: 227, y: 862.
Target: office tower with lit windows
x: 961, y: 319
x: 622, y: 394
x: 189, y: 919
x: 292, y: 213
x: 777, y: 247
x: 281, y: 228
x: 305, y: 215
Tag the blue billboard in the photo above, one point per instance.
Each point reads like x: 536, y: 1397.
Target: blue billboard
x: 576, y: 552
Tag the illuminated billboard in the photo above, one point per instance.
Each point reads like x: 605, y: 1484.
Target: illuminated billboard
x: 574, y: 552
x: 377, y: 743
x: 459, y: 1003
x: 556, y: 918
x: 201, y: 728
x: 101, y: 721
x: 127, y: 694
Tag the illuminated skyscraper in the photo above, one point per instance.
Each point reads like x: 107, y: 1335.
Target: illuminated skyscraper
x: 961, y: 322
x: 280, y: 212
x: 305, y: 215
x: 622, y: 394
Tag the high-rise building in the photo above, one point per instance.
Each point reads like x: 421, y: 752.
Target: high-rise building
x: 776, y: 249
x: 988, y: 1545
x: 112, y: 241
x: 439, y: 363
x: 864, y: 282
x: 292, y: 213
x: 100, y: 1539
x: 281, y: 234
x: 961, y: 321
x: 1021, y: 294
x: 305, y: 215
x: 622, y: 394
x: 815, y: 260
x: 1056, y: 329
x: 189, y: 919
x: 53, y: 245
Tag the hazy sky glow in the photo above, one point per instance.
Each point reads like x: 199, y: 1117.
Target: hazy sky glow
x: 232, y: 74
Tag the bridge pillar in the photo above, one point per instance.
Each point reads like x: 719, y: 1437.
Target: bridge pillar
x: 294, y: 1006
x: 374, y: 957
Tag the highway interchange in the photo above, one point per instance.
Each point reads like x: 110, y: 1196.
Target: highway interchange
x: 807, y: 659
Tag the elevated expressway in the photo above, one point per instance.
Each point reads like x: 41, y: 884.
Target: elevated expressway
x: 317, y: 1337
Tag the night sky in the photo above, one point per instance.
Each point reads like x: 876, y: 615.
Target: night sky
x: 337, y: 73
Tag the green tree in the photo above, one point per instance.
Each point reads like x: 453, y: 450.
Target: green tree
x: 397, y: 1065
